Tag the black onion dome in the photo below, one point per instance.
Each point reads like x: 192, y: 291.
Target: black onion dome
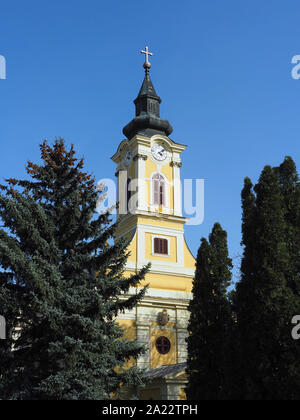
x: 147, y: 110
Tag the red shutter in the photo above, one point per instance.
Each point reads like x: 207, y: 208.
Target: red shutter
x: 160, y: 246
x: 156, y: 246
x: 165, y: 246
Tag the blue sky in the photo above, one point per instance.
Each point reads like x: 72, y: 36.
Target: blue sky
x: 222, y: 69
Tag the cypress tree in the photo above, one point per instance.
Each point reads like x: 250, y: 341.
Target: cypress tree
x: 290, y: 189
x: 62, y: 285
x: 264, y: 301
x: 210, y: 324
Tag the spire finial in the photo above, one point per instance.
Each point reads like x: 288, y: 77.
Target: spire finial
x: 147, y: 64
x: 147, y: 121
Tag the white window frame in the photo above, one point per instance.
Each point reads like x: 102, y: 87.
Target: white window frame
x: 167, y: 184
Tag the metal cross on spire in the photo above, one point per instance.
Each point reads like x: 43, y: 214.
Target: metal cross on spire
x: 147, y: 64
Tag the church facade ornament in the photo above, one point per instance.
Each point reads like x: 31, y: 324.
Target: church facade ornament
x: 140, y: 156
x: 163, y: 318
x: 176, y: 164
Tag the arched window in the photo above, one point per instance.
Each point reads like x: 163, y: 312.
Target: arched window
x: 159, y: 190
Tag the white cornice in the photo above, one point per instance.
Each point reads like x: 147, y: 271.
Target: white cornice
x: 146, y: 141
x: 153, y: 215
x: 168, y: 268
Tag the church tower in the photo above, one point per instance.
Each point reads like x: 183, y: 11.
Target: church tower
x: 150, y: 202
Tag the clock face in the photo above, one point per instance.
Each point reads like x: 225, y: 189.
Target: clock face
x: 128, y: 158
x: 159, y: 152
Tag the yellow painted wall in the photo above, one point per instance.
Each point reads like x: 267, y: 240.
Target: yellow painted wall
x: 171, y: 197
x: 189, y: 260
x: 147, y: 192
x: 168, y: 282
x: 167, y: 170
x: 129, y: 327
x: 150, y: 167
x: 154, y: 221
x: 132, y: 247
x: 133, y: 220
x: 130, y: 334
x: 157, y: 359
x: 182, y: 395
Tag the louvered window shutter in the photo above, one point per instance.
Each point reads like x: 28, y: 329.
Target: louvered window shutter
x: 164, y: 246
x: 156, y: 245
x: 159, y: 190
x: 156, y: 191
x: 160, y: 246
x: 162, y: 192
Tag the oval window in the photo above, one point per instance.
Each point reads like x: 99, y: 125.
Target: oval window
x: 163, y: 345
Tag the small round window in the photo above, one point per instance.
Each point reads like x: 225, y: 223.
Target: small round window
x: 163, y: 345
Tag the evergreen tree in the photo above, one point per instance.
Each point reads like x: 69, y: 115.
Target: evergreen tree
x: 290, y: 189
x: 211, y: 322
x: 62, y: 284
x: 265, y: 302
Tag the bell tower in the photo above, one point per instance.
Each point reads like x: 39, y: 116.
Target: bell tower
x: 150, y: 203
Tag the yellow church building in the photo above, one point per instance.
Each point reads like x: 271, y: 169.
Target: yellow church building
x: 150, y: 202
